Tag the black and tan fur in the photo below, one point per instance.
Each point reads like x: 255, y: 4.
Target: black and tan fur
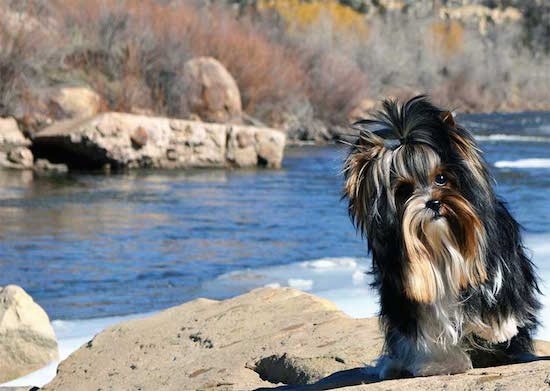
x: 455, y: 284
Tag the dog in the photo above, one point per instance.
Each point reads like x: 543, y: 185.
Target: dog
x: 456, y: 287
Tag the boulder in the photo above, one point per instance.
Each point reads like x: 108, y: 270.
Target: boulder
x: 72, y: 102
x: 249, y: 146
x: 45, y: 167
x: 120, y: 141
x: 226, y: 344
x: 210, y: 91
x: 44, y: 106
x: 14, y: 151
x: 27, y: 340
x: 10, y: 135
x: 267, y: 337
x: 21, y: 157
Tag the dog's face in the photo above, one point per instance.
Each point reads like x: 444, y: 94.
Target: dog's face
x: 430, y: 191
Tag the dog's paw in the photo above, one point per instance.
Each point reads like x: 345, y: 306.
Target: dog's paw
x: 389, y: 368
x: 450, y: 365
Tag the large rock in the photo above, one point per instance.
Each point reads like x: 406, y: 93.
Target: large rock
x: 10, y: 133
x: 210, y: 91
x: 27, y: 340
x: 72, y: 102
x: 132, y: 141
x: 260, y: 339
x: 44, y: 106
x: 205, y: 343
x: 14, y: 151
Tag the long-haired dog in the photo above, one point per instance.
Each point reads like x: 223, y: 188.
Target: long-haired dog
x: 455, y: 285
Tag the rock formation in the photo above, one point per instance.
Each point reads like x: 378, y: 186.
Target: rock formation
x: 211, y: 92
x: 120, y: 141
x: 14, y: 151
x: 265, y: 338
x: 72, y: 102
x: 27, y: 340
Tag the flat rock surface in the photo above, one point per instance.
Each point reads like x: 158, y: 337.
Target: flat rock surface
x: 262, y: 339
x: 120, y: 140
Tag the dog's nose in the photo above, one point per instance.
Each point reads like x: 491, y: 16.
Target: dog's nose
x: 434, y: 205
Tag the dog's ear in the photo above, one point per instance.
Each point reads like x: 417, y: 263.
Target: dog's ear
x: 365, y: 179
x: 447, y: 118
x: 465, y: 146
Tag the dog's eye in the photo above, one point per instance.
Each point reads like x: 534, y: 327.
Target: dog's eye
x: 440, y: 180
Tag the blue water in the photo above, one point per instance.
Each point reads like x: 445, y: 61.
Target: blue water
x: 88, y: 246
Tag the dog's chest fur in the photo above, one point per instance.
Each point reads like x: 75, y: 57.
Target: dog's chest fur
x: 448, y: 320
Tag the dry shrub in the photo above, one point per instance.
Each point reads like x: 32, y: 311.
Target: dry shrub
x: 105, y: 49
x: 13, y: 54
x: 25, y: 45
x: 134, y: 52
x: 448, y: 36
x: 337, y: 85
x: 305, y: 60
x: 299, y: 15
x: 326, y: 36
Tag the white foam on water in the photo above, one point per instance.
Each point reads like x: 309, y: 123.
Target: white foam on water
x: 330, y: 263
x: 524, y: 163
x: 358, y: 277
x: 300, y: 283
x: 512, y: 138
x: 341, y: 280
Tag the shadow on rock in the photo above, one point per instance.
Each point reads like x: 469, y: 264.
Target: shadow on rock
x: 358, y: 376
x: 345, y: 378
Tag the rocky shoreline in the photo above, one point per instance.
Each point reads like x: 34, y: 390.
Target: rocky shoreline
x: 119, y: 141
x: 269, y: 338
x: 125, y: 141
x: 69, y: 129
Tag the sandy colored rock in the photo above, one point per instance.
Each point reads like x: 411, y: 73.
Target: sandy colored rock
x: 21, y: 157
x: 123, y: 141
x: 10, y: 135
x: 73, y: 102
x: 250, y: 146
x: 269, y: 147
x: 44, y: 167
x: 211, y: 92
x: 27, y: 340
x: 207, y: 344
x: 14, y: 151
x: 258, y: 340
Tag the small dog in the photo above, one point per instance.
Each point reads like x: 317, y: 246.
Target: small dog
x: 456, y: 288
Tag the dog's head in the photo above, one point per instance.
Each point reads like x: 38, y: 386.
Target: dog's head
x: 416, y: 180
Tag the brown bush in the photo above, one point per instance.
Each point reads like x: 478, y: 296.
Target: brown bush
x: 134, y: 52
x: 336, y: 86
x: 23, y: 51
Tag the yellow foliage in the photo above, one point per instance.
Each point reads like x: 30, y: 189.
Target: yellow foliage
x: 449, y: 35
x: 299, y: 14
